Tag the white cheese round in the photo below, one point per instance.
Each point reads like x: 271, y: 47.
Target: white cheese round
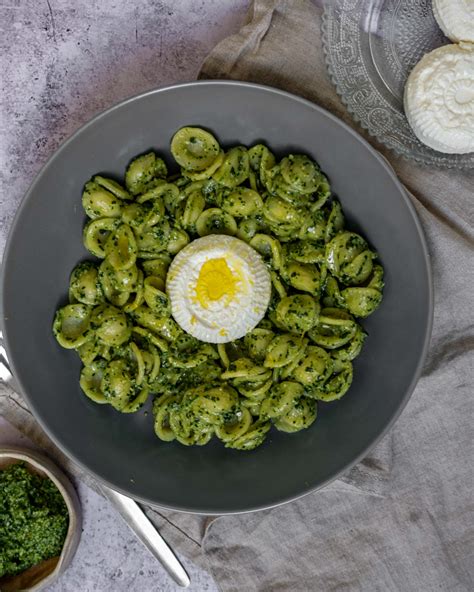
x: 455, y: 18
x: 439, y: 99
x: 219, y: 288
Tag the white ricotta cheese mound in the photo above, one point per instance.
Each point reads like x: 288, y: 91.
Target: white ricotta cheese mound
x: 219, y: 288
x: 439, y: 99
x: 455, y: 18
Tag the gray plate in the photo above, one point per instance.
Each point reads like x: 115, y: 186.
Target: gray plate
x: 45, y: 243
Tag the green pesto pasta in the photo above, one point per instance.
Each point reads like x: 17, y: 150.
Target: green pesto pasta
x: 324, y: 278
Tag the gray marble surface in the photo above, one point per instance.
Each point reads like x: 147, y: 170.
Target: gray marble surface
x: 62, y: 62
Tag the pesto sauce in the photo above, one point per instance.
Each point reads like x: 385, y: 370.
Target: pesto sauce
x: 33, y: 520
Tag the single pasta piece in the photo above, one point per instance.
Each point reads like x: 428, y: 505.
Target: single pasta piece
x: 194, y: 149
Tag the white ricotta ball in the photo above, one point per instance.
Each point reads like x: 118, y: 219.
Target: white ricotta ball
x: 455, y: 18
x: 219, y: 288
x: 439, y: 99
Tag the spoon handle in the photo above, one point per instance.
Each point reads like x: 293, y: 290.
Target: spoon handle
x: 147, y: 533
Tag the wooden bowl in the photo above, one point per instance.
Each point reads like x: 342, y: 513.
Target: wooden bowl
x: 39, y: 576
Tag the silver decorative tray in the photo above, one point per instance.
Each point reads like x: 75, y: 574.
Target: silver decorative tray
x: 370, y: 48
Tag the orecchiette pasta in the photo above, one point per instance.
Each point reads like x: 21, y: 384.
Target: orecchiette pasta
x: 119, y: 316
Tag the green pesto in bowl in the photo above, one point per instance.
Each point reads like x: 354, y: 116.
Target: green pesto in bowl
x: 33, y: 519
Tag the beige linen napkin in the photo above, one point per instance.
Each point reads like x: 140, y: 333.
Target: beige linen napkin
x: 403, y: 519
